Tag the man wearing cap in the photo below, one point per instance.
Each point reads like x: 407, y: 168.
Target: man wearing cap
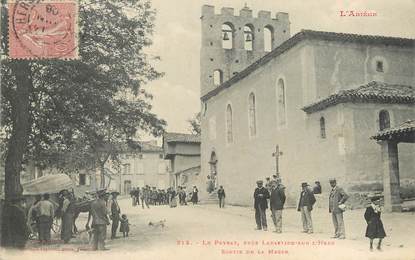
x: 46, y: 211
x: 16, y: 233
x: 261, y: 195
x: 305, y: 206
x: 100, y: 220
x: 276, y: 203
x: 337, y: 198
x: 115, y: 214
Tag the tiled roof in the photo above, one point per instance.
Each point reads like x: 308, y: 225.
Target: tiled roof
x: 373, y: 92
x: 150, y: 147
x: 181, y: 138
x: 405, y: 128
x: 140, y: 146
x: 311, y: 35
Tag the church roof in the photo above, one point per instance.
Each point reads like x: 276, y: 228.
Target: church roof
x: 181, y: 138
x: 406, y: 131
x: 373, y: 92
x: 311, y: 35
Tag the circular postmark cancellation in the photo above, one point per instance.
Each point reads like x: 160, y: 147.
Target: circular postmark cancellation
x: 43, y: 29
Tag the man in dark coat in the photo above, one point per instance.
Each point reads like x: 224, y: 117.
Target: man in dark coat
x: 195, y: 197
x: 276, y: 203
x: 16, y: 233
x: 374, y: 227
x: 115, y: 214
x: 261, y: 195
x: 221, y: 197
x: 100, y: 220
x: 336, y: 207
x: 305, y: 206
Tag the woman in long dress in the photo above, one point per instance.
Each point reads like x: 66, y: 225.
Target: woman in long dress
x: 374, y: 223
x: 195, y: 197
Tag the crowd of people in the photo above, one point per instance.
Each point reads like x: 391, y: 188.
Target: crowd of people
x: 153, y: 196
x: 274, y: 191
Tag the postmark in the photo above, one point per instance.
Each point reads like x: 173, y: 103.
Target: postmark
x: 43, y: 29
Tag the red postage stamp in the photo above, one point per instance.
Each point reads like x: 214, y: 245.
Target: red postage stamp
x: 43, y: 29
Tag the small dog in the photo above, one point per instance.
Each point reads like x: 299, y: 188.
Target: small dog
x: 161, y: 223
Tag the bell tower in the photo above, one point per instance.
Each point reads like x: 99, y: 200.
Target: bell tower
x: 230, y: 43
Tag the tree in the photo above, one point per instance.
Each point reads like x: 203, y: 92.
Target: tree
x: 55, y: 108
x: 194, y: 123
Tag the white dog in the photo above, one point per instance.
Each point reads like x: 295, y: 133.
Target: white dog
x: 161, y: 224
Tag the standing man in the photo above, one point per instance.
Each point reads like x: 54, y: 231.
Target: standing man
x: 14, y: 212
x: 261, y: 195
x: 276, y: 203
x: 336, y: 207
x: 100, y: 220
x: 45, y: 211
x: 305, y: 205
x: 67, y: 217
x: 221, y: 196
x: 195, y: 197
x: 115, y: 214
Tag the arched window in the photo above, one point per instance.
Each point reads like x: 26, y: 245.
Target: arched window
x: 248, y: 37
x: 384, y: 120
x: 252, y: 114
x: 322, y: 128
x: 229, y: 133
x: 227, y: 36
x: 268, y: 38
x: 281, y: 115
x: 217, y: 77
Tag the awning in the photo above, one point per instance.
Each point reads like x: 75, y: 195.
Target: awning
x: 47, y: 184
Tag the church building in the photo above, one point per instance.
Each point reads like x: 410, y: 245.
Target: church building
x: 303, y: 106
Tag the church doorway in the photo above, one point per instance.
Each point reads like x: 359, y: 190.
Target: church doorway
x: 213, y: 176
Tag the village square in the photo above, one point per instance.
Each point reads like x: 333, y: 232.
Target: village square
x: 227, y: 130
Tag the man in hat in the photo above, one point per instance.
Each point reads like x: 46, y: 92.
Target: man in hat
x: 336, y: 207
x: 100, y: 220
x: 46, y: 211
x: 261, y: 195
x: 276, y: 203
x: 115, y: 214
x: 305, y: 206
x: 221, y: 196
x: 15, y: 232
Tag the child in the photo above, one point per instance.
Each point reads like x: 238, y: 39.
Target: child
x: 125, y: 226
x: 374, y: 223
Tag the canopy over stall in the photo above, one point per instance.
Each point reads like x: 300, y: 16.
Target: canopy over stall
x: 48, y: 184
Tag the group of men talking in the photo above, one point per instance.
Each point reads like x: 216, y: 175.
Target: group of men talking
x: 274, y: 191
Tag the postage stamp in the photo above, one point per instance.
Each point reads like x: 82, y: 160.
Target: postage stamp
x: 43, y: 29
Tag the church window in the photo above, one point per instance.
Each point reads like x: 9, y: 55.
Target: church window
x: 322, y: 128
x: 217, y: 77
x: 229, y: 133
x: 379, y: 66
x: 227, y: 36
x: 384, y: 120
x: 268, y: 38
x: 248, y: 37
x: 252, y: 114
x: 281, y: 103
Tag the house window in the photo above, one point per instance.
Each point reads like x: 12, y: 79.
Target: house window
x: 227, y: 36
x: 384, y: 120
x: 268, y: 38
x: 82, y: 179
x: 379, y: 66
x: 248, y: 37
x: 252, y: 115
x: 229, y: 133
x: 217, y: 77
x: 281, y: 103
x: 127, y: 168
x: 322, y: 128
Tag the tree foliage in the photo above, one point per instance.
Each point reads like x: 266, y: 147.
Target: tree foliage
x: 80, y: 110
x: 194, y: 124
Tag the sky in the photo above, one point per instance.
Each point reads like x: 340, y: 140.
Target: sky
x: 177, y: 40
